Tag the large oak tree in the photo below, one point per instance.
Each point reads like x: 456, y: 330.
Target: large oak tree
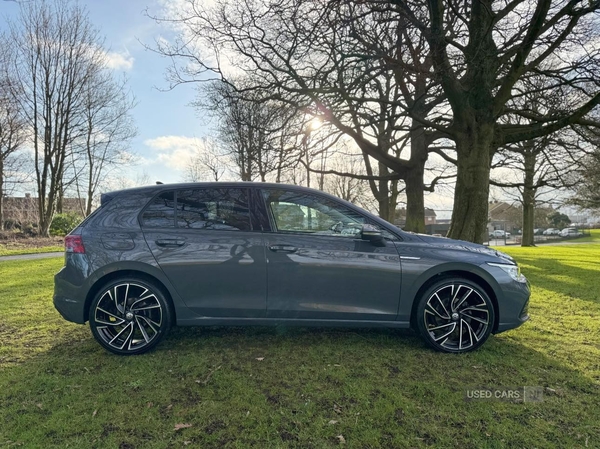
x: 482, y: 50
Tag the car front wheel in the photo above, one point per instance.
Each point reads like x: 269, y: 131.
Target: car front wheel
x: 455, y: 315
x: 129, y: 316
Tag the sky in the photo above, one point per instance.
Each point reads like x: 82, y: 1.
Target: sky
x: 168, y: 128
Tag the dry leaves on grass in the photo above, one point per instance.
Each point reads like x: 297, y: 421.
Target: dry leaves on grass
x: 341, y: 439
x: 182, y: 426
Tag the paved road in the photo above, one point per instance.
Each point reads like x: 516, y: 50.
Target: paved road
x: 541, y: 243
x: 31, y: 256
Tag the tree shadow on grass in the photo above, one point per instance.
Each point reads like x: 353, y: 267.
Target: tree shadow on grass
x: 283, y: 387
x: 562, y: 278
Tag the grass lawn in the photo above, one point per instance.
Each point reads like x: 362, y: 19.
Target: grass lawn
x: 594, y: 237
x: 268, y: 388
x: 8, y: 251
x: 10, y: 245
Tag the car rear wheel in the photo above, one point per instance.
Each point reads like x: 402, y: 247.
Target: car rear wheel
x: 455, y: 315
x: 129, y: 316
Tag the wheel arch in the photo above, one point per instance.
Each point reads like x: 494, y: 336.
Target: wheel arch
x: 127, y: 272
x: 454, y: 273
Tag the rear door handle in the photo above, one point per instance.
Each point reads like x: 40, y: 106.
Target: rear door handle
x: 283, y: 248
x: 170, y: 242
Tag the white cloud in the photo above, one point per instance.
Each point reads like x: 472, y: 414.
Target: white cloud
x: 119, y: 60
x: 175, y: 151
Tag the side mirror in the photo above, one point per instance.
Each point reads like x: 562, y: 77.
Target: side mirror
x: 372, y: 234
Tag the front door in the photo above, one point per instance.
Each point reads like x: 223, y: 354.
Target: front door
x: 320, y: 268
x: 204, y: 242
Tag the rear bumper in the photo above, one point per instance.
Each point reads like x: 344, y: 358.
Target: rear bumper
x: 68, y: 299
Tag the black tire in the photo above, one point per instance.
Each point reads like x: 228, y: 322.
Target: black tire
x: 133, y: 324
x: 455, y: 315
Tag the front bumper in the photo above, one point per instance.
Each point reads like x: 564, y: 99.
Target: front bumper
x: 512, y: 324
x: 513, y: 306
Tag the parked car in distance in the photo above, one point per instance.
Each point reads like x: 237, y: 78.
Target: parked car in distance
x: 552, y: 231
x: 538, y: 231
x: 269, y: 254
x: 569, y: 232
x: 499, y: 234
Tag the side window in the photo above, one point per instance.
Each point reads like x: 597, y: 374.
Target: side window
x: 217, y: 209
x: 160, y: 213
x: 301, y: 212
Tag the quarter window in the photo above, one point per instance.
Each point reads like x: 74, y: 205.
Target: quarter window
x: 216, y: 209
x: 161, y: 212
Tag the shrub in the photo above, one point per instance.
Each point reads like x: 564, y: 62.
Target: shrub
x: 62, y: 224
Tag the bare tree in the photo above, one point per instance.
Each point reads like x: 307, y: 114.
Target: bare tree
x: 547, y: 162
x: 336, y: 61
x: 586, y: 181
x: 108, y: 128
x: 482, y: 50
x: 537, y: 167
x: 12, y: 125
x: 206, y: 164
x: 257, y: 134
x: 349, y: 188
x: 57, y: 54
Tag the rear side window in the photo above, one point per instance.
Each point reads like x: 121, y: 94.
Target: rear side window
x: 216, y: 209
x: 160, y: 213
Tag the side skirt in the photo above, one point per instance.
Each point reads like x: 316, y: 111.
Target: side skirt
x: 224, y: 321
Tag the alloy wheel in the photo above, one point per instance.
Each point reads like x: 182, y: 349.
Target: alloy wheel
x: 457, y: 317
x: 128, y: 317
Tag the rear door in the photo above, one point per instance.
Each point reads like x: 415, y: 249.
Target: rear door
x: 320, y: 268
x: 205, y: 242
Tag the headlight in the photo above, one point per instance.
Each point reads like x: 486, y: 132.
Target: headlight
x: 512, y: 270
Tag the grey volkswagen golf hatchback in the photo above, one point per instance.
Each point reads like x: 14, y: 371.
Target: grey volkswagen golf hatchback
x: 271, y: 254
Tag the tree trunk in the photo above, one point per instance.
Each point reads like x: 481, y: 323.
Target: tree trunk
x: 415, y: 202
x: 529, y: 192
x: 46, y: 217
x: 59, y: 202
x: 383, y: 193
x: 470, y: 211
x: 393, y: 200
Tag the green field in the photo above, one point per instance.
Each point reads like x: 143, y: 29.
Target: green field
x: 267, y: 387
x: 5, y: 251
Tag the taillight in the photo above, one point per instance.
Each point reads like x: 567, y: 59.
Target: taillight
x: 74, y: 244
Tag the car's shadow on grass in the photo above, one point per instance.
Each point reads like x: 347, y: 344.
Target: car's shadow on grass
x: 260, y: 386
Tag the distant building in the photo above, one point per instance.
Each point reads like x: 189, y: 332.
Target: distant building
x: 430, y: 216
x: 24, y: 209
x: 504, y: 216
x: 400, y: 217
x: 509, y: 217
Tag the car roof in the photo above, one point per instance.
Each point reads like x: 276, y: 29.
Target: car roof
x: 154, y: 189
x: 218, y: 184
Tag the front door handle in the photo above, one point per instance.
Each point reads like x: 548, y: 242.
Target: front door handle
x: 170, y: 242
x: 283, y: 248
